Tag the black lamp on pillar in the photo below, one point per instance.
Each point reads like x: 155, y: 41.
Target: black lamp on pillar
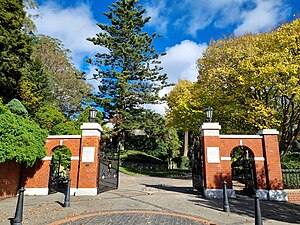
x: 93, y: 114
x: 209, y: 112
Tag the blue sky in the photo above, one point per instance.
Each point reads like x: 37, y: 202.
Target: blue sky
x: 187, y: 26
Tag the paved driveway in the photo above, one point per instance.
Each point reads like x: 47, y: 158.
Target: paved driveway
x: 147, y: 200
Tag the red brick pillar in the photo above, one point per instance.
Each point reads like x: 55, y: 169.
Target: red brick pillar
x: 214, y: 174
x: 272, y: 166
x: 88, y: 165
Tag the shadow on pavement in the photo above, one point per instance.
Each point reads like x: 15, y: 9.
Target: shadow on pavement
x: 243, y: 205
x: 185, y: 190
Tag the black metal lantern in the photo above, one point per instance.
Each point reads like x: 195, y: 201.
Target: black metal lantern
x: 93, y: 114
x: 209, y: 113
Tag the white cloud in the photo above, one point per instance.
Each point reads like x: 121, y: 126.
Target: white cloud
x: 242, y: 16
x: 264, y: 17
x: 72, y: 26
x: 180, y: 61
x: 158, y: 19
x: 179, y: 64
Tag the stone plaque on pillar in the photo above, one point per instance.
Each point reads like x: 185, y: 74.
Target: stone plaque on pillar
x: 88, y: 154
x: 213, y: 154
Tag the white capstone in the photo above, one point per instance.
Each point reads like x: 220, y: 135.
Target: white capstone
x: 268, y: 131
x: 64, y: 137
x: 91, y: 129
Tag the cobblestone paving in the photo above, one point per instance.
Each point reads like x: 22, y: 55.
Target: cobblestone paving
x: 135, y: 218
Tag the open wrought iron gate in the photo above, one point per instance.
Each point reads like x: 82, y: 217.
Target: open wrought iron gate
x: 197, y: 169
x: 108, y: 177
x: 57, y: 178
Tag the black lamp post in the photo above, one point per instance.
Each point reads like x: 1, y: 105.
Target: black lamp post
x: 209, y: 112
x: 93, y: 114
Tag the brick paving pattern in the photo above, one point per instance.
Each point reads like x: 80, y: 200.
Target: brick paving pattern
x: 135, y: 218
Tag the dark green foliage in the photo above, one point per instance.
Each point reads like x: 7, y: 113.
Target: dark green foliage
x: 48, y: 117
x: 141, y: 157
x: 36, y: 86
x: 62, y: 155
x: 16, y: 107
x: 295, y: 146
x: 15, y: 48
x: 129, y: 74
x: 21, y: 139
x: 65, y: 128
x: 290, y: 160
x: 184, y: 162
x: 160, y: 140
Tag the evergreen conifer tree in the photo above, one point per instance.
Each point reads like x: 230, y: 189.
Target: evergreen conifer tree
x: 129, y: 73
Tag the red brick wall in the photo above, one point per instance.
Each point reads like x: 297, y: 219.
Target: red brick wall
x: 273, y: 165
x: 88, y: 174
x: 268, y: 173
x: 74, y: 144
x: 9, y: 179
x: 37, y: 176
x: 294, y: 196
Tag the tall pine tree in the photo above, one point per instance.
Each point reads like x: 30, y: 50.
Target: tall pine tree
x: 129, y: 73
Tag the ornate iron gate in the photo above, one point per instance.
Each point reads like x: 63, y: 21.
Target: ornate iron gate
x: 197, y: 168
x: 108, y: 177
x: 57, y: 179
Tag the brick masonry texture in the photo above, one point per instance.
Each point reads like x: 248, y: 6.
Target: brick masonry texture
x: 268, y: 173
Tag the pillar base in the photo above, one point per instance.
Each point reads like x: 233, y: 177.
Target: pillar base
x: 86, y: 191
x: 36, y: 191
x: 218, y: 193
x: 272, y: 195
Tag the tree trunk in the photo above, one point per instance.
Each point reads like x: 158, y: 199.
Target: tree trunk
x: 186, y: 143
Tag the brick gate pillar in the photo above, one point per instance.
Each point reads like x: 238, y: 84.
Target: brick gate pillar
x: 272, y: 167
x: 214, y: 170
x: 88, y: 165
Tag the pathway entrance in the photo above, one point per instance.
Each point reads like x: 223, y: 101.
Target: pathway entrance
x: 251, y: 160
x: 137, y: 195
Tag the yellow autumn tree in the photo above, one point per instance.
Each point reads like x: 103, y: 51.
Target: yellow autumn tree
x: 254, y: 82
x: 183, y: 111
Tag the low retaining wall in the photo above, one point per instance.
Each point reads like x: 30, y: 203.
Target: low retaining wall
x: 10, y: 173
x: 293, y: 195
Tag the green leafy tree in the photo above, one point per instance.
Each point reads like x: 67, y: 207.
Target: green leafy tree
x: 62, y: 154
x: 35, y: 87
x: 184, y: 111
x: 15, y: 48
x: 48, y: 117
x: 67, y: 85
x: 129, y: 71
x: 65, y: 128
x: 154, y: 137
x: 21, y: 139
